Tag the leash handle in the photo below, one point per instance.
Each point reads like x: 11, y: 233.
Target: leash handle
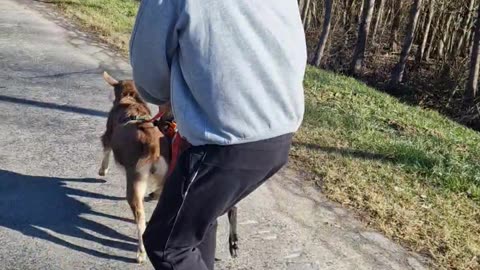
x: 178, y: 143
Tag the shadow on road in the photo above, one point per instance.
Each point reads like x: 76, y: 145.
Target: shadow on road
x: 66, y: 74
x: 53, y: 106
x: 37, y: 206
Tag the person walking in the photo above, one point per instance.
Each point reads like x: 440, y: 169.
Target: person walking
x: 233, y: 72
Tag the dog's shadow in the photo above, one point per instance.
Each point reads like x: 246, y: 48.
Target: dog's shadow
x: 36, y: 206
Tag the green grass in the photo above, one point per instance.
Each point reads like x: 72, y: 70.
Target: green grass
x: 411, y: 173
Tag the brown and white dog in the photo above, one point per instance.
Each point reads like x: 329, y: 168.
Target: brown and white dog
x: 140, y: 148
x: 144, y: 152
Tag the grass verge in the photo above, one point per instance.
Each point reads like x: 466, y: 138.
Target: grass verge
x: 110, y: 20
x: 412, y: 173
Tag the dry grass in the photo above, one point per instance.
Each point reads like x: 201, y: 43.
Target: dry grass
x: 411, y: 173
x: 110, y: 20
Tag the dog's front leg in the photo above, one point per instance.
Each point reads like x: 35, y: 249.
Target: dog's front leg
x: 105, y: 162
x: 136, y: 189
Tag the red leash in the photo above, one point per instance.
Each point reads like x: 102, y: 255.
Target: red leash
x: 156, y: 117
x: 179, y: 144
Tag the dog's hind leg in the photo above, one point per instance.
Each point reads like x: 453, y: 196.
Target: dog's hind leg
x: 233, y: 236
x: 105, y: 162
x: 136, y: 189
x: 157, y: 179
x: 156, y: 193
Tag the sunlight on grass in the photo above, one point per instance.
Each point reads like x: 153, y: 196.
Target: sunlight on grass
x: 111, y: 20
x: 414, y: 173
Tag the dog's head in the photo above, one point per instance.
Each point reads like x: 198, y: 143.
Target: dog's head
x: 123, y: 90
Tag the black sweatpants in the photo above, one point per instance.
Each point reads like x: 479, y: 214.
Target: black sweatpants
x: 206, y: 183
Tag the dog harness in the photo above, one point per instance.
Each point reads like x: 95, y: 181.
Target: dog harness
x: 169, y: 128
x: 177, y: 143
x: 134, y: 119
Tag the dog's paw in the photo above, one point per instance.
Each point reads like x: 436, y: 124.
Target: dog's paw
x: 141, y: 257
x: 103, y: 172
x: 152, y: 197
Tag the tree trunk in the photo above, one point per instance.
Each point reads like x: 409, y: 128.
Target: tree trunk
x: 305, y: 11
x: 397, y: 13
x: 301, y: 3
x: 472, y: 84
x: 421, y: 51
x: 435, y: 31
x: 345, y: 13
x: 379, y: 19
x: 466, y: 29
x: 313, y: 15
x: 363, y: 30
x: 359, y: 14
x: 325, y: 32
x: 308, y: 19
x: 453, y: 37
x: 471, y: 38
x: 443, y: 40
x: 385, y: 22
x: 421, y: 24
x: 398, y: 71
x: 348, y: 6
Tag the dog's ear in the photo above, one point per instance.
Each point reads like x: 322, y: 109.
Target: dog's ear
x: 109, y: 79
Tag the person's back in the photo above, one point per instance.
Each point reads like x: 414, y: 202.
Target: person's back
x: 233, y: 72
x: 236, y: 66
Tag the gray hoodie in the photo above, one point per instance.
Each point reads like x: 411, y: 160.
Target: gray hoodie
x: 232, y: 69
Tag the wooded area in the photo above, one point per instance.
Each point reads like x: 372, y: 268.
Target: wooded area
x: 427, y: 52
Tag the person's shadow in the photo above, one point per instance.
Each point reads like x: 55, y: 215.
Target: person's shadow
x: 34, y: 205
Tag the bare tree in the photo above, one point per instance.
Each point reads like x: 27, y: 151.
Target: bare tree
x: 445, y: 34
x: 364, y: 28
x: 466, y: 29
x: 379, y: 18
x: 454, y: 36
x: 436, y: 30
x: 398, y: 71
x: 383, y: 25
x: 325, y: 32
x: 442, y: 32
x: 305, y: 12
x: 347, y: 13
x: 397, y: 15
x: 431, y: 12
x: 471, y: 90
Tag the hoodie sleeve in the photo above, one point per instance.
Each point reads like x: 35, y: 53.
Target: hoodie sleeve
x: 153, y: 44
